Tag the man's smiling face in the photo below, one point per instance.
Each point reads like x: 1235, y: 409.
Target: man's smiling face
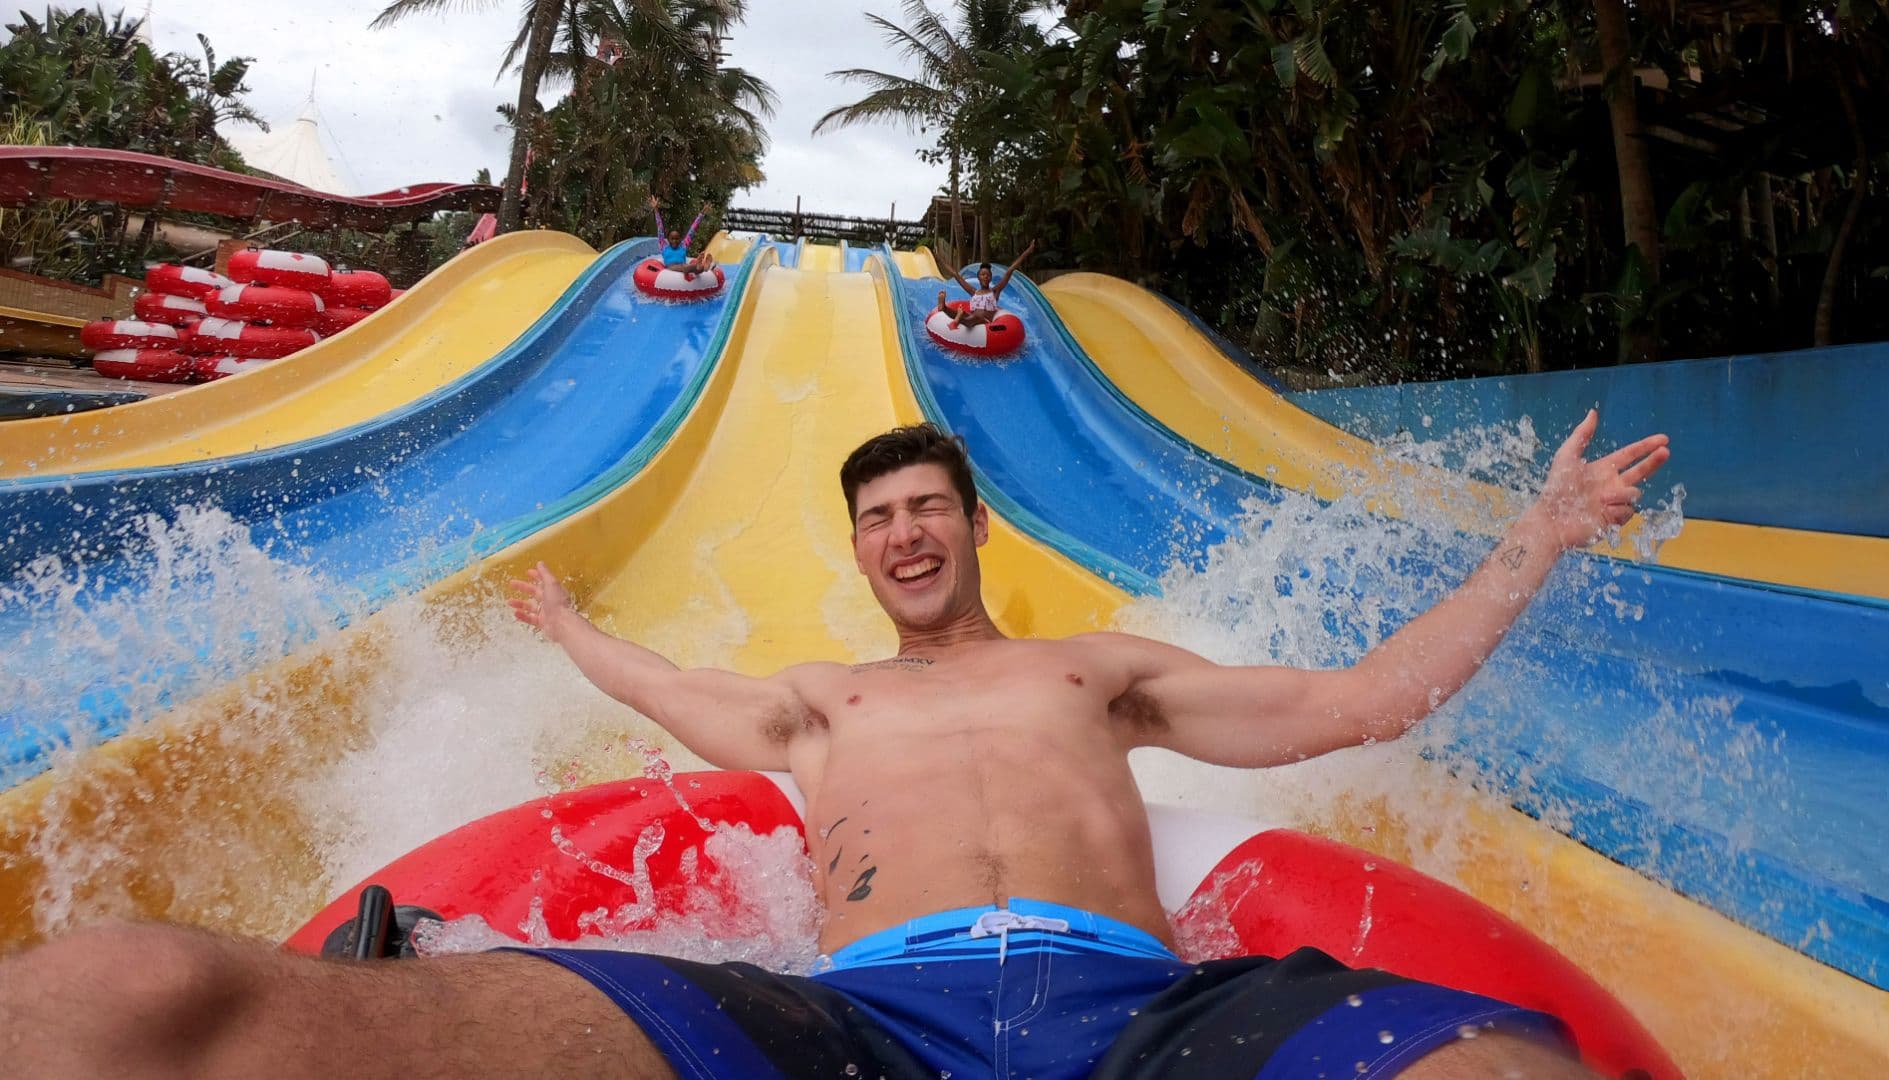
x: 917, y: 547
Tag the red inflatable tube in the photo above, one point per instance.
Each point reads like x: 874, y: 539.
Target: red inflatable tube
x: 267, y: 303
x: 288, y: 269
x: 148, y: 365
x: 357, y: 289
x: 107, y: 334
x: 165, y: 308
x: 228, y: 337
x: 487, y: 868
x: 212, y: 368
x: 185, y: 281
x: 1003, y: 334
x: 336, y: 319
x: 1370, y: 912
x: 1280, y: 889
x: 657, y: 280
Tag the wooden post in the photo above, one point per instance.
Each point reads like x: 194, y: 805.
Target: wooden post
x: 797, y: 227
x: 892, y: 224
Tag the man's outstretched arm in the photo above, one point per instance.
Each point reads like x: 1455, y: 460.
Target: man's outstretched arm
x: 1256, y: 716
x: 731, y: 721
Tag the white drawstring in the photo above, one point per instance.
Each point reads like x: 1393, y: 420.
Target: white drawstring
x: 1001, y: 922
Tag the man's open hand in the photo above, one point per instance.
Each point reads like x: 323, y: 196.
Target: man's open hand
x: 542, y: 602
x: 1582, y: 499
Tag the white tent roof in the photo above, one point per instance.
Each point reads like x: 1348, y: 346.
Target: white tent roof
x: 294, y: 152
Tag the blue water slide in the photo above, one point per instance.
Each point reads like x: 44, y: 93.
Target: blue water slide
x: 1719, y: 735
x: 1788, y: 439
x: 103, y: 603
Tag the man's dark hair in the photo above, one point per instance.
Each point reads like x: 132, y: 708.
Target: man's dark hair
x: 919, y: 444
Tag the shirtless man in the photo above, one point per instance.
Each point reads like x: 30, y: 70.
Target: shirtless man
x: 984, y: 295
x: 974, y: 827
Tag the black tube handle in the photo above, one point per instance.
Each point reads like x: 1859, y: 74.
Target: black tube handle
x: 374, y: 924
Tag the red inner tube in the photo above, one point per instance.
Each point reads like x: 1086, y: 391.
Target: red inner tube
x: 649, y: 271
x: 1002, y: 334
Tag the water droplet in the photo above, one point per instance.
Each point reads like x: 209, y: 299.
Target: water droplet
x: 852, y: 1069
x: 1467, y: 1031
x: 1386, y: 1038
x: 1353, y: 1000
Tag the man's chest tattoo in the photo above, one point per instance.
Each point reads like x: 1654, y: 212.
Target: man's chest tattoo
x: 897, y: 663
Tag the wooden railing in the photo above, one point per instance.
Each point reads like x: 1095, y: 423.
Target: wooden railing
x: 826, y: 228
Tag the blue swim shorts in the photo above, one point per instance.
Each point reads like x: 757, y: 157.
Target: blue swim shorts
x: 1042, y: 991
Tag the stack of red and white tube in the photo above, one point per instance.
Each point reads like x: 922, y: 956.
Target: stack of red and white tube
x: 194, y: 325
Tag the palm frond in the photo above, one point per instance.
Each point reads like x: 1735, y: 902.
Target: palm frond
x: 909, y: 103
x: 742, y: 87
x: 930, y: 60
x: 400, y: 9
x: 928, y: 28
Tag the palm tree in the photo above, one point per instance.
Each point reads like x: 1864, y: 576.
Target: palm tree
x: 1638, y: 212
x: 949, y: 80
x: 652, y: 110
x: 541, y: 17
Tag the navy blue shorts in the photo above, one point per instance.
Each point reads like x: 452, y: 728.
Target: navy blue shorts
x: 1043, y: 991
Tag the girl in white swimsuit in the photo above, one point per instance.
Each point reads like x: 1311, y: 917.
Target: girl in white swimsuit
x: 983, y: 306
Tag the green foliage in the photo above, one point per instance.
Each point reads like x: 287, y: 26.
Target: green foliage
x: 969, y: 88
x: 81, y: 78
x: 1376, y: 188
x: 93, y: 82
x: 650, y: 112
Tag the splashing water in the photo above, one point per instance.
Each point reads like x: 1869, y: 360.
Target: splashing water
x: 468, y: 713
x: 774, y: 923
x: 1612, y: 711
x: 190, y: 602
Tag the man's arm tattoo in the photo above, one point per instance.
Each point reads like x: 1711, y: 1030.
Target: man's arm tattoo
x: 1512, y: 558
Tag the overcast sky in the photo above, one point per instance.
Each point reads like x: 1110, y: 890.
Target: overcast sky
x: 416, y: 102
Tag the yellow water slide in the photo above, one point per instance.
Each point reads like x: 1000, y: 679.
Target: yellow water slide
x: 455, y: 319
x: 822, y: 258
x: 1168, y: 367
x: 731, y: 547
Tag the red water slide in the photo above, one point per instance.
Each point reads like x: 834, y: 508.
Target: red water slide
x: 32, y: 174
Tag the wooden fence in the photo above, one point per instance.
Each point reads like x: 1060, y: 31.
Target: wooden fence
x: 826, y: 228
